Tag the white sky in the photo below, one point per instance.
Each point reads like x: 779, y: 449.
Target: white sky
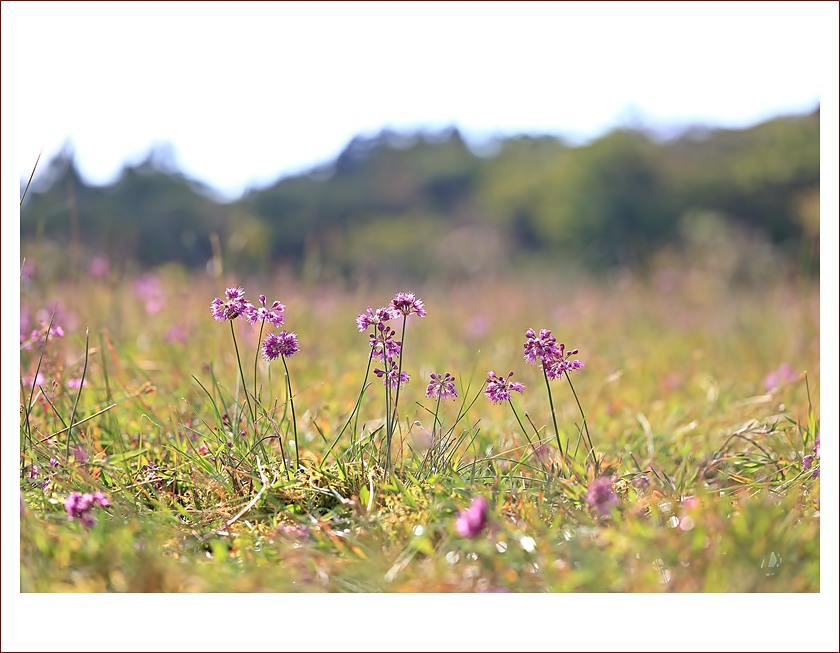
x: 247, y: 92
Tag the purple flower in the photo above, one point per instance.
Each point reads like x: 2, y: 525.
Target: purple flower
x: 148, y: 288
x: 34, y: 472
x: 499, y: 387
x: 556, y: 367
x: 542, y: 348
x: 471, y: 522
x: 779, y: 377
x: 271, y: 314
x: 391, y: 375
x: 79, y: 506
x: 443, y: 387
x: 176, y: 333
x: 98, y: 267
x: 293, y: 532
x: 280, y: 344
x: 74, y: 384
x: 807, y: 461
x: 231, y: 307
x: 817, y: 447
x: 405, y: 303
x: 383, y: 343
x: 600, y: 494
x: 53, y: 462
x: 374, y: 318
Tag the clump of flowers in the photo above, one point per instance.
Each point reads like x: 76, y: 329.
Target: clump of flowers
x: 601, y: 496
x: 273, y: 314
x: 442, y: 387
x: 280, y: 344
x: 80, y: 506
x: 373, y: 318
x: 406, y: 304
x: 472, y: 521
x: 232, y: 306
x: 498, y: 388
x: 391, y: 375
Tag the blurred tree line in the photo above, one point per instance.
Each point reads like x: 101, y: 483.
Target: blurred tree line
x: 426, y: 205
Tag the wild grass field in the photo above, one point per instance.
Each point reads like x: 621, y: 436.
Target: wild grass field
x: 161, y: 451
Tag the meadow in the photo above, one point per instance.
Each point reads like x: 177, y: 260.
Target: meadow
x: 161, y: 451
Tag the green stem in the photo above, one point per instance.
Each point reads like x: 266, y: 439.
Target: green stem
x: 553, y: 416
x: 241, y: 374
x: 395, y: 418
x: 582, y: 415
x: 294, y: 421
x: 78, y: 396
x: 256, y: 358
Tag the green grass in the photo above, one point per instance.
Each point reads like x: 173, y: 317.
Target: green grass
x: 675, y: 402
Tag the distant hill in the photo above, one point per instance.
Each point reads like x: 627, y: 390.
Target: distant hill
x: 425, y: 204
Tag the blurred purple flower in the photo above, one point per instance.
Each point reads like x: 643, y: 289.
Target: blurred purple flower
x: 471, y: 522
x: 73, y: 384
x: 817, y: 446
x: 499, y: 387
x: 79, y: 453
x: 374, y: 318
x: 779, y: 377
x: 406, y: 304
x: 542, y: 348
x: 807, y: 461
x: 34, y: 472
x: 600, y: 494
x: 443, y: 387
x: 148, y: 288
x: 53, y: 462
x: 272, y: 314
x: 176, y: 333
x: 293, y: 532
x: 99, y: 267
x: 79, y: 506
x: 27, y: 271
x: 280, y: 344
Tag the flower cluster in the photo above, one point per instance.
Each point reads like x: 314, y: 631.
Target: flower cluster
x: 382, y: 343
x: 601, y: 495
x: 553, y: 357
x: 373, y: 318
x: 471, y: 522
x: 405, y: 304
x: 79, y: 506
x: 391, y: 374
x: 280, y: 344
x: 232, y: 306
x: 441, y: 386
x: 499, y: 387
x: 273, y: 314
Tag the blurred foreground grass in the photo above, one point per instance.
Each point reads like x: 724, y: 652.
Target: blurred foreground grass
x: 702, y: 401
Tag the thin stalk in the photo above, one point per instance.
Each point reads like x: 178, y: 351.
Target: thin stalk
x: 352, y: 413
x: 395, y: 418
x: 582, y: 415
x: 292, y: 405
x: 554, y: 417
x: 256, y: 358
x: 241, y: 374
x: 78, y: 396
x: 30, y: 178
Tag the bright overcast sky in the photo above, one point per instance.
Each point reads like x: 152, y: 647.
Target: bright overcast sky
x: 249, y: 92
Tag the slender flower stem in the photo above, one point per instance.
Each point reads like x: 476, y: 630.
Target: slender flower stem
x: 241, y: 373
x: 583, y: 416
x: 527, y: 437
x: 435, y: 423
x: 256, y: 358
x: 352, y: 412
x: 387, y: 423
x: 553, y: 415
x: 395, y: 418
x: 78, y: 394
x: 294, y: 421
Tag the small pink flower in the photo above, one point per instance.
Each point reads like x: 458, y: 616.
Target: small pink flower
x: 471, y: 522
x: 203, y: 449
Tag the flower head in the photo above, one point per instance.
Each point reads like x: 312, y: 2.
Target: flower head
x: 443, y: 387
x: 601, y: 495
x: 232, y: 306
x: 272, y: 314
x: 406, y: 304
x: 471, y: 522
x: 383, y: 344
x: 79, y: 506
x: 499, y: 387
x: 280, y: 344
x: 557, y: 366
x: 391, y: 375
x: 374, y: 318
x: 542, y: 348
